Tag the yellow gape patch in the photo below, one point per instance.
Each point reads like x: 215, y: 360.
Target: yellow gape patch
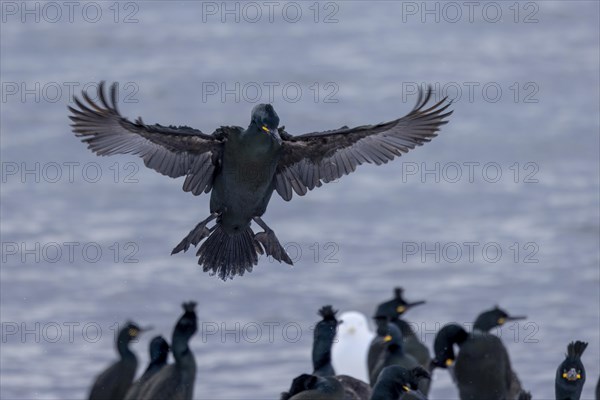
x: 264, y: 128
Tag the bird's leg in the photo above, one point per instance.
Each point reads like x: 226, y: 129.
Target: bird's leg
x: 270, y: 242
x: 195, y: 235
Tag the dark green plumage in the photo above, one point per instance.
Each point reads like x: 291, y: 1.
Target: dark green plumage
x: 570, y: 374
x: 395, y: 381
x: 482, y: 368
x: 114, y: 382
x: 176, y: 381
x: 243, y: 167
x: 159, y: 352
x: 394, y: 309
x: 393, y: 354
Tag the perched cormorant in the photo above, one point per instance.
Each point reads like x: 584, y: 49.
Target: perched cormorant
x: 350, y: 349
x: 113, y: 383
x: 482, y: 369
x: 159, y: 352
x: 570, y: 375
x: 243, y: 167
x: 176, y: 381
x: 393, y: 310
x: 323, y: 383
x: 394, y: 355
x: 395, y: 381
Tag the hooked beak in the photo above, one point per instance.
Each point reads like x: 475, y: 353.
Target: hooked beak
x: 146, y: 328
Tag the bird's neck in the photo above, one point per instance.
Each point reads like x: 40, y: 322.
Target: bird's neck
x: 123, y: 349
x: 180, y: 349
x: 321, y: 357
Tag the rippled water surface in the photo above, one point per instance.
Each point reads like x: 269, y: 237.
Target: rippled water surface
x: 513, y: 176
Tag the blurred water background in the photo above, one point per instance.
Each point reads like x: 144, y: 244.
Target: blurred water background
x: 527, y: 110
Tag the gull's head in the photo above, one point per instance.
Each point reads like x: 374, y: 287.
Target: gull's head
x: 354, y: 324
x: 265, y: 118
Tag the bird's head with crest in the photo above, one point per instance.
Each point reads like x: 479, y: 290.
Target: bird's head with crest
x: 265, y: 119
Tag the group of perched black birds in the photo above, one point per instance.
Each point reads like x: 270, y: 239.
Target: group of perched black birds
x: 399, y: 364
x: 160, y: 380
x: 243, y: 167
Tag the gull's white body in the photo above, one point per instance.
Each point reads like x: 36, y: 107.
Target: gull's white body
x: 351, y: 345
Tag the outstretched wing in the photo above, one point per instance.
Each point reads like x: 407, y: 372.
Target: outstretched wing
x: 309, y: 160
x: 172, y: 151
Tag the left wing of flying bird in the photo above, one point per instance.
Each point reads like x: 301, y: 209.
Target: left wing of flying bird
x: 171, y: 151
x: 309, y: 160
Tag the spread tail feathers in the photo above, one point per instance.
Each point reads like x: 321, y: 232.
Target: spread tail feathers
x: 227, y: 255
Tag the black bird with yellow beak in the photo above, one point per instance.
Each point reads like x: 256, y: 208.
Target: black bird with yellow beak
x: 242, y: 167
x: 482, y: 368
x: 570, y: 374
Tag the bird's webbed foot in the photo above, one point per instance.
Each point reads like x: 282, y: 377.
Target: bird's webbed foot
x: 196, y: 235
x: 270, y: 243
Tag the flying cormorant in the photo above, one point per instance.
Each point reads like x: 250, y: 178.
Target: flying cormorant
x: 242, y: 167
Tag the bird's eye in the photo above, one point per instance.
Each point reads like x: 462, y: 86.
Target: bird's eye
x: 400, y: 309
x: 264, y: 128
x: 501, y: 321
x: 449, y: 362
x: 133, y: 332
x: 387, y: 338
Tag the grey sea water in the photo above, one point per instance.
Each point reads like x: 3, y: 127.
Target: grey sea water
x: 501, y: 208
